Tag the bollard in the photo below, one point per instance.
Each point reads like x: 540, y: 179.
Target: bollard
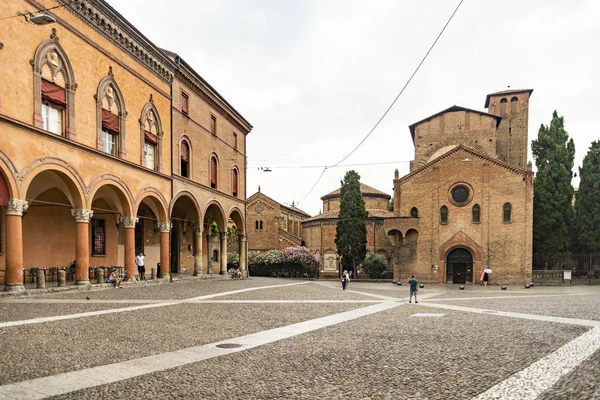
x: 461, y: 287
x: 100, y: 275
x: 41, y: 279
x: 62, y: 277
x: 152, y: 273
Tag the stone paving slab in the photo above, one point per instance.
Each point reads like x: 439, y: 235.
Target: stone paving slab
x: 308, y: 291
x: 388, y: 355
x: 19, y: 311
x: 33, y: 351
x: 176, y: 291
x: 583, y: 383
x: 583, y: 307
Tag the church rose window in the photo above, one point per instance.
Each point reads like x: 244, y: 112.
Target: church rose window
x: 460, y: 194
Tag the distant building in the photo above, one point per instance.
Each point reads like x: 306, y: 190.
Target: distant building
x: 271, y: 225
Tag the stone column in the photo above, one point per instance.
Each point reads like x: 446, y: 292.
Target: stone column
x: 13, y: 281
x: 223, y: 255
x: 242, y: 248
x: 198, y: 257
x: 82, y: 246
x: 129, y: 253
x: 165, y: 270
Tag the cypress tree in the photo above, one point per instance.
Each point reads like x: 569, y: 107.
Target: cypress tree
x: 553, y: 212
x: 587, y: 203
x: 351, y: 230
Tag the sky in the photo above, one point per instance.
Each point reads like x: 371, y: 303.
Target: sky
x: 314, y: 76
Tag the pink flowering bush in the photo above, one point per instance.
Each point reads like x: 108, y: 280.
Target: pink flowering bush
x: 297, y: 260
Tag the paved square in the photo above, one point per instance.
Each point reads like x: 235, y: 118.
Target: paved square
x: 283, y: 338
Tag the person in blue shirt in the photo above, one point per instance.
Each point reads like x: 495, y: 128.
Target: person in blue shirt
x: 413, y: 288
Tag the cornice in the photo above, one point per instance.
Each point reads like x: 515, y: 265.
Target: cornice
x: 108, y: 22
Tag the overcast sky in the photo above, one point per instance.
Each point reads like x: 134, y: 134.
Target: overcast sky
x: 313, y: 76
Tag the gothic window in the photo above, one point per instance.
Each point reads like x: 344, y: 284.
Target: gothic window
x: 234, y: 182
x: 507, y: 213
x: 53, y: 89
x: 514, y: 102
x: 98, y: 237
x: 444, y: 215
x: 151, y: 137
x: 213, y: 172
x: 476, y: 214
x: 110, y: 117
x: 414, y: 212
x: 184, y: 164
x: 503, y: 103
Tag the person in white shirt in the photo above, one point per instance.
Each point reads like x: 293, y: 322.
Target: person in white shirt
x: 139, y: 260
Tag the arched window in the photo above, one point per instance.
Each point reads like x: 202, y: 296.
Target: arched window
x: 110, y: 117
x: 476, y: 214
x: 234, y: 182
x: 414, y: 212
x: 444, y: 215
x: 507, y: 213
x: 213, y: 172
x: 256, y: 225
x: 503, y: 104
x: 184, y: 164
x: 261, y: 225
x: 215, y: 256
x: 54, y: 89
x: 514, y: 102
x: 151, y: 136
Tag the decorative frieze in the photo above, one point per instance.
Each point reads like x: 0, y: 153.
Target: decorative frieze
x: 17, y: 207
x: 82, y: 215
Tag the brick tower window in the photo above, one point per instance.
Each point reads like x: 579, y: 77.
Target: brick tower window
x: 414, y: 212
x: 514, y: 103
x: 476, y: 214
x: 503, y: 104
x: 443, y: 215
x: 507, y: 213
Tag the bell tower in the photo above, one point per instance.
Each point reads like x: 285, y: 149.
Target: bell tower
x: 511, y: 135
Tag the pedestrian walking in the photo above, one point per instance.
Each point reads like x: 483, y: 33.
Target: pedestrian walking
x: 345, y: 279
x: 413, y: 288
x: 139, y: 260
x: 486, y: 276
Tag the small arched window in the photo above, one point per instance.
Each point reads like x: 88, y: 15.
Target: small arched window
x: 414, y: 212
x: 215, y: 256
x: 476, y: 214
x: 507, y: 213
x: 184, y: 167
x: 503, y: 104
x: 444, y: 215
x: 234, y: 182
x: 213, y: 172
x: 514, y: 103
x: 256, y: 225
x: 261, y: 225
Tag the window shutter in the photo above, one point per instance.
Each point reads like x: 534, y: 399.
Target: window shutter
x: 185, y: 152
x: 213, y: 171
x: 150, y: 138
x: 234, y: 182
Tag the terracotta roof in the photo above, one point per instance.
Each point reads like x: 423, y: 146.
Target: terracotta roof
x: 509, y: 91
x: 366, y: 190
x: 451, y: 109
x: 261, y: 194
x: 373, y: 213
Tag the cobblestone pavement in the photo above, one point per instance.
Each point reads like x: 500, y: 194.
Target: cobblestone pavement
x: 395, y: 352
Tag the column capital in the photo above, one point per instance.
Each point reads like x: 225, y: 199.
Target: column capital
x: 223, y: 235
x: 243, y: 238
x: 198, y: 230
x: 164, y: 226
x: 17, y: 207
x: 82, y: 215
x: 128, y: 222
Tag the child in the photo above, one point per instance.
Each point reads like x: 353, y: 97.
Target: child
x: 413, y: 289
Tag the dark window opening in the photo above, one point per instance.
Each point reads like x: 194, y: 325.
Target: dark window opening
x: 507, y: 213
x: 98, y: 237
x: 476, y: 214
x: 444, y: 215
x: 213, y: 172
x: 234, y: 183
x: 503, y: 104
x: 414, y: 212
x: 185, y: 160
x: 261, y: 225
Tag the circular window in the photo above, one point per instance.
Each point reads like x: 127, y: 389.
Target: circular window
x: 460, y: 195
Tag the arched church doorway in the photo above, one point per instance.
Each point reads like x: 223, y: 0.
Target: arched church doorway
x: 459, y: 266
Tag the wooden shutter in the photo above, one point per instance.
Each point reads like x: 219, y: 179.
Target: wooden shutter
x: 234, y: 182
x: 213, y: 171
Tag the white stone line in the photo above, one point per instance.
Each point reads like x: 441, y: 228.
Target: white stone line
x: 507, y: 297
x: 540, y: 376
x: 133, y: 308
x: 377, y: 296
x: 283, y: 301
x: 71, y: 381
x: 547, y: 318
x: 80, y: 301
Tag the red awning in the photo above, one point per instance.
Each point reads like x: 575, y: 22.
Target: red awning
x: 110, y: 121
x: 151, y: 138
x: 53, y: 93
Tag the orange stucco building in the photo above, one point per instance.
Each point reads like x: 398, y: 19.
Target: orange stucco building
x: 89, y: 156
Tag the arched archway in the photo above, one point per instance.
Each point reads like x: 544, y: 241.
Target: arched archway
x: 152, y: 233
x: 459, y: 266
x: 186, y: 245
x: 215, y: 225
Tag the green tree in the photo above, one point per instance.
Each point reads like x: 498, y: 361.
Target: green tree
x: 351, y: 230
x: 374, y: 265
x: 553, y: 212
x: 586, y: 232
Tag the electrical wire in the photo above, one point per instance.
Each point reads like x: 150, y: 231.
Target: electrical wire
x: 338, y: 166
x: 26, y: 12
x: 393, y: 102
